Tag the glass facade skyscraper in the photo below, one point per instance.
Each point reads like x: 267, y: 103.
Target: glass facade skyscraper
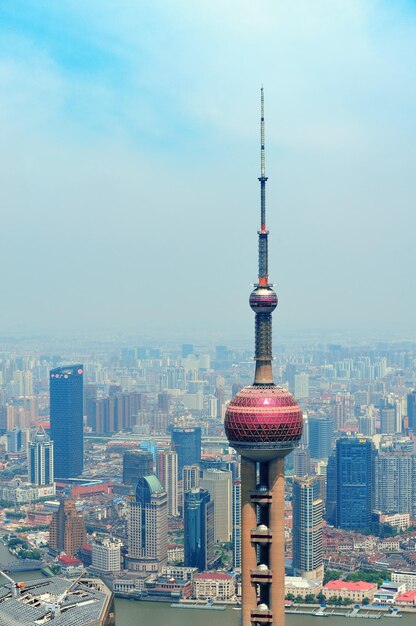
x: 66, y: 417
x: 321, y: 431
x: 354, y: 461
x: 199, y: 529
x: 186, y: 442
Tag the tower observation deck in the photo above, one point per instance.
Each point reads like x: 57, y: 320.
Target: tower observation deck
x: 263, y: 423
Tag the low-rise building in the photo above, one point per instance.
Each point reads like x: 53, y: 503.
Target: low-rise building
x: 70, y: 565
x: 166, y: 588
x: 215, y: 586
x: 298, y: 586
x: 406, y: 578
x: 408, y: 598
x: 106, y: 554
x: 355, y: 591
x: 177, y: 571
x: 388, y: 593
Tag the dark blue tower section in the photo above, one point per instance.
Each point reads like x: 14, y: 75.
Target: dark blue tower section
x: 187, y: 444
x: 66, y: 416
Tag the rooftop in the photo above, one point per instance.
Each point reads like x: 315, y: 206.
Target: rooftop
x: 213, y: 576
x: 338, y: 585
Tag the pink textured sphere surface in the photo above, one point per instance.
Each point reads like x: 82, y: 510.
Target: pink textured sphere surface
x: 262, y: 415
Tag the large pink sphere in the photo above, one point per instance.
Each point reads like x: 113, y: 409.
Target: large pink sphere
x: 263, y: 422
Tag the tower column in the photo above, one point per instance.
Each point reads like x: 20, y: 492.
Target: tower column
x: 277, y: 548
x: 248, y: 551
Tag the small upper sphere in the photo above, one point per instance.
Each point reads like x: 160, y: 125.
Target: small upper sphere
x: 263, y: 422
x: 263, y: 300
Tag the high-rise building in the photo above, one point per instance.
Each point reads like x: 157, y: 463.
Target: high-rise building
x: 302, y: 385
x: 136, y: 464
x: 167, y: 473
x: 106, y: 554
x: 14, y: 440
x: 307, y: 528
x: 321, y: 432
x: 236, y: 523
x: 148, y: 526
x: 388, y: 420
x: 66, y: 417
x: 67, y: 530
x: 395, y: 482
x: 301, y: 462
x: 40, y: 459
x: 187, y: 444
x: 263, y: 423
x: 190, y: 477
x: 354, y: 460
x: 198, y: 529
x: 218, y: 484
x: 411, y: 411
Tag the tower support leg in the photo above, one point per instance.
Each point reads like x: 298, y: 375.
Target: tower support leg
x: 277, y: 548
x: 248, y: 552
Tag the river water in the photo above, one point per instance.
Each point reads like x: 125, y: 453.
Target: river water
x: 133, y: 613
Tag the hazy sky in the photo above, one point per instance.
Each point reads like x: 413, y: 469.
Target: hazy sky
x: 129, y: 163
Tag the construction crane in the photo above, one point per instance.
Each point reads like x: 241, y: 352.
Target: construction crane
x: 55, y: 607
x: 16, y: 587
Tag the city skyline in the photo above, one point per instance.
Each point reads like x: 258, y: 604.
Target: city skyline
x: 127, y: 136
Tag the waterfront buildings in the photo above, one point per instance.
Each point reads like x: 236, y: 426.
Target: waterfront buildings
x: 66, y: 420
x: 136, y: 464
x: 355, y: 484
x: 40, y: 459
x: 67, y: 530
x: 263, y: 423
x: 106, y: 554
x: 307, y: 528
x: 218, y: 483
x: 148, y: 526
x: 186, y: 442
x: 198, y: 529
x: 216, y: 586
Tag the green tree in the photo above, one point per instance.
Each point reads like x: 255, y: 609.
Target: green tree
x: 366, y: 601
x: 331, y: 574
x: 310, y: 598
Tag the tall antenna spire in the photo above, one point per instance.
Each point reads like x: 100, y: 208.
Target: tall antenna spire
x: 263, y: 299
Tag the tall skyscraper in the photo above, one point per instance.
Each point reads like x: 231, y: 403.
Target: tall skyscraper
x: 307, y: 528
x: 219, y: 485
x: 236, y: 522
x: 263, y: 423
x: 66, y: 417
x: 321, y: 431
x: 301, y: 462
x: 395, y: 482
x: 14, y: 440
x: 302, y: 385
x: 354, y: 459
x: 388, y: 420
x: 136, y: 464
x: 198, y: 529
x: 187, y: 444
x: 67, y: 530
x: 167, y: 473
x: 411, y: 411
x: 40, y: 459
x: 331, y: 491
x: 147, y: 527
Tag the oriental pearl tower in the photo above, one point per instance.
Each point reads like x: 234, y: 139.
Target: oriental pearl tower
x: 263, y: 423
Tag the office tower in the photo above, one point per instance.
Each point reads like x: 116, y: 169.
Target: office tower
x: 236, y: 523
x: 67, y: 530
x: 40, y: 459
x: 14, y: 440
x: 301, y: 462
x: 66, y: 417
x: 411, y: 411
x: 290, y: 376
x: 302, y: 385
x: 354, y: 459
x: 321, y: 431
x: 263, y: 423
x: 147, y: 526
x: 218, y: 484
x: 331, y: 491
x: 167, y: 473
x: 388, y: 420
x: 136, y: 464
x: 367, y: 423
x: 106, y: 554
x: 198, y: 529
x: 187, y: 444
x: 190, y: 477
x: 395, y: 487
x: 307, y: 528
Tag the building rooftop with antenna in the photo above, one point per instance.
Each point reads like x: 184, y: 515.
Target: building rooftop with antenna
x: 55, y: 601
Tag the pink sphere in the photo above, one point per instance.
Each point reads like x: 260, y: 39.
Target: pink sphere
x: 263, y: 422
